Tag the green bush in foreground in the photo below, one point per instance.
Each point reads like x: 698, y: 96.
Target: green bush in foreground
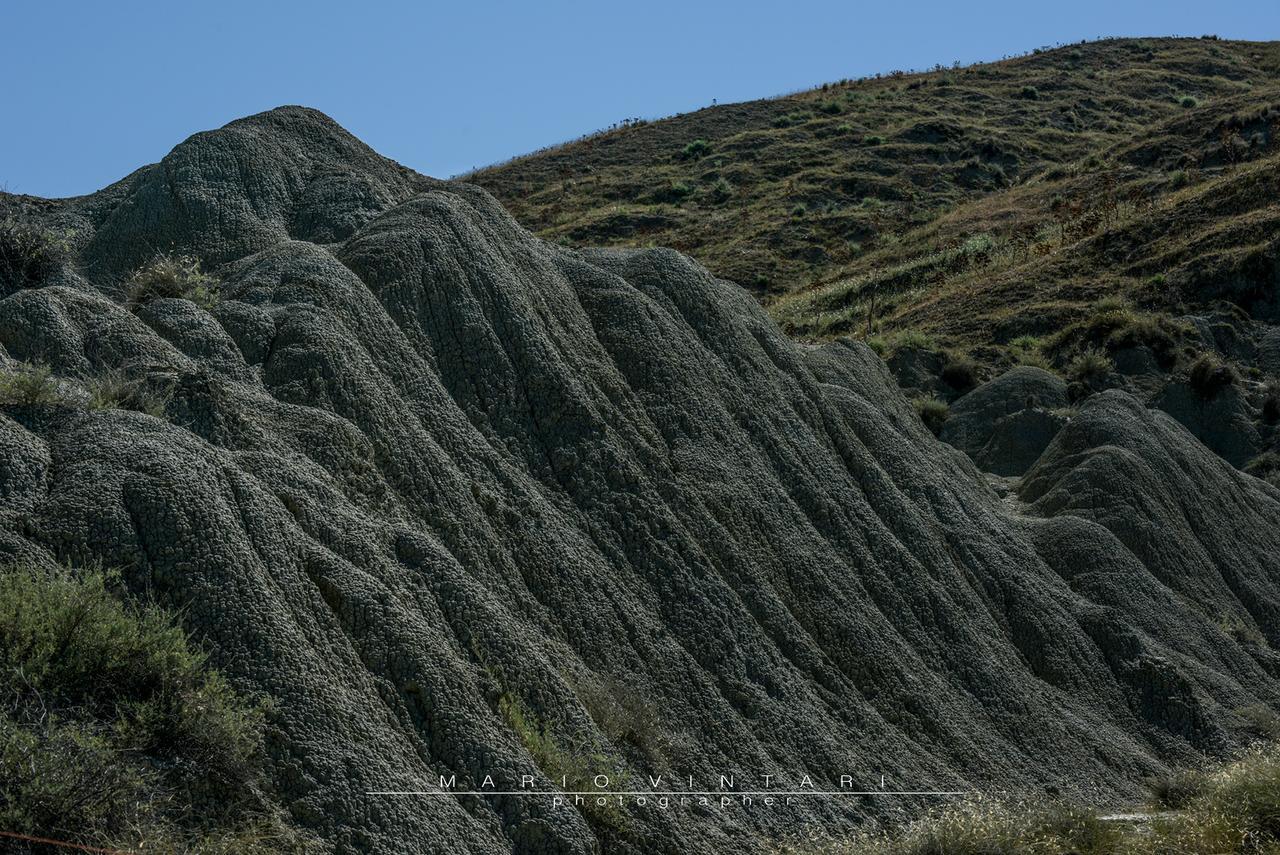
x: 114, y: 731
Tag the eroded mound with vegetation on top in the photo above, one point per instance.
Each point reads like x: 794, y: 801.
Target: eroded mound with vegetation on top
x: 456, y: 502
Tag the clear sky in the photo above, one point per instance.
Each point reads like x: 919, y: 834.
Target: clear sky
x: 93, y: 90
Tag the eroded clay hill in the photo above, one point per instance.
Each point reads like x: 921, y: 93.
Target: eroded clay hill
x: 418, y: 469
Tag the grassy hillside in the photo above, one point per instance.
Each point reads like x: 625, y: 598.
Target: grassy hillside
x: 980, y: 203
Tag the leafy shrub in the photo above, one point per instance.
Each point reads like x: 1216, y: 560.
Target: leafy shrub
x: 933, y: 412
x: 873, y: 139
x: 960, y: 372
x: 1233, y: 810
x: 113, y: 729
x: 1188, y: 101
x: 27, y: 254
x: 831, y: 108
x: 799, y: 211
x: 697, y: 149
x: 172, y: 276
x: 1209, y: 375
x: 28, y: 384
x: 1029, y: 93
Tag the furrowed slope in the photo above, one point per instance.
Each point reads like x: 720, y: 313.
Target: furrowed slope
x: 789, y: 191
x: 465, y: 503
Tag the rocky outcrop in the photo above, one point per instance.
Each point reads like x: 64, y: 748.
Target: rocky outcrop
x: 1005, y: 423
x: 418, y: 469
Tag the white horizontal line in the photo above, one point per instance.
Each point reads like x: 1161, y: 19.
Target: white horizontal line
x: 671, y: 793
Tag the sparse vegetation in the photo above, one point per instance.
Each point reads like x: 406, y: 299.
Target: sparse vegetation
x: 981, y: 826
x: 960, y: 372
x: 721, y: 191
x: 172, y: 276
x: 114, y: 730
x: 28, y: 254
x: 1209, y: 375
x: 933, y: 412
x: 578, y: 764
x: 626, y: 718
x: 914, y: 339
x: 1233, y: 810
x: 674, y: 193
x: 1089, y: 365
x: 28, y: 384
x: 124, y: 389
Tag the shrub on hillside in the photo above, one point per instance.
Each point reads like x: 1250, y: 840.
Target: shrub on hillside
x: 913, y: 339
x: 673, y: 193
x: 1090, y: 365
x: 27, y: 255
x: 933, y: 412
x: 1030, y: 93
x: 122, y: 389
x: 1188, y: 101
x: 28, y: 384
x: 696, y: 149
x: 791, y: 120
x: 113, y: 729
x: 721, y: 191
x: 172, y: 276
x: 960, y: 372
x: 1271, y: 405
x: 1209, y: 375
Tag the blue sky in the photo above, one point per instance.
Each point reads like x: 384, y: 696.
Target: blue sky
x: 94, y: 90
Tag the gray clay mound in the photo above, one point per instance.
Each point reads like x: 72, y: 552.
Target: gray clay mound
x: 418, y: 463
